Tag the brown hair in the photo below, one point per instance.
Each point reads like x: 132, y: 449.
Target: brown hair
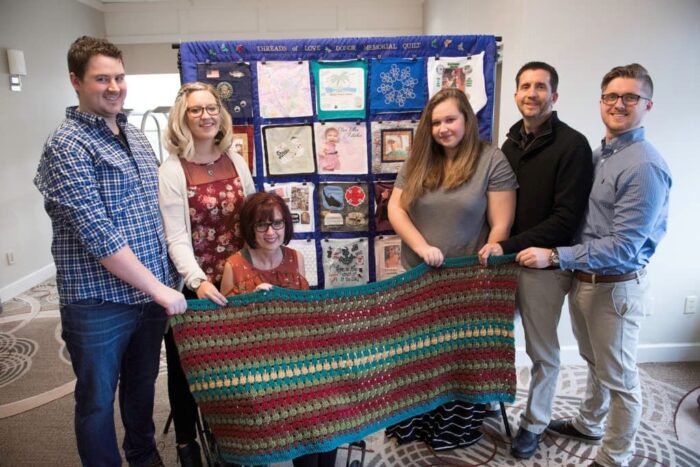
x: 178, y: 137
x: 84, y: 48
x: 425, y: 170
x: 633, y: 70
x: 260, y: 207
x: 553, y: 75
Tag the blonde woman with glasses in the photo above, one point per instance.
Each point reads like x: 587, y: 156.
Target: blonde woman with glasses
x: 202, y: 187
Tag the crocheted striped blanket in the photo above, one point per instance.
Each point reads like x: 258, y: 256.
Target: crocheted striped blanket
x: 283, y: 373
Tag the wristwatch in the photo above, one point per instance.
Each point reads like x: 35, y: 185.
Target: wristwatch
x: 554, y: 258
x: 194, y: 285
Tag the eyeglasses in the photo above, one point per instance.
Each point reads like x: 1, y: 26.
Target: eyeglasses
x: 197, y: 111
x: 627, y: 99
x: 263, y: 226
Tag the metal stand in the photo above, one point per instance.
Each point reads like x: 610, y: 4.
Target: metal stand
x: 357, y: 446
x: 151, y: 113
x: 206, y: 439
x: 504, y: 415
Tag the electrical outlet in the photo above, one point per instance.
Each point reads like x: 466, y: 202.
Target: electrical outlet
x: 691, y: 304
x: 10, y: 256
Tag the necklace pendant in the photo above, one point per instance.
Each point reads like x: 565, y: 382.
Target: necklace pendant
x: 210, y: 171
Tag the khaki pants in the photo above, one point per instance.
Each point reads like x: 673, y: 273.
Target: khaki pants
x: 606, y: 320
x: 540, y: 297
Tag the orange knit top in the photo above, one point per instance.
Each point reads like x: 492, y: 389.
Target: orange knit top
x: 246, y: 277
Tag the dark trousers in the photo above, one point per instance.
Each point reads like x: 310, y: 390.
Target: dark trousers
x: 321, y: 459
x: 182, y: 405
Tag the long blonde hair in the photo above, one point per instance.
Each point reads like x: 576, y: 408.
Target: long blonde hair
x: 425, y: 169
x: 178, y: 138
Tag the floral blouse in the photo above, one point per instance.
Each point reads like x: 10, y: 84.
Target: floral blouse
x: 214, y: 203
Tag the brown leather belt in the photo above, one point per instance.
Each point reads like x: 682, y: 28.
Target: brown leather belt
x: 597, y: 278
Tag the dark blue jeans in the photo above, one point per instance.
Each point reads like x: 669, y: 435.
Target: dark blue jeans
x: 109, y: 343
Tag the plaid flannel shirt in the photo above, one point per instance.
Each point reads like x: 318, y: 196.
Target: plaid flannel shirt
x: 101, y: 196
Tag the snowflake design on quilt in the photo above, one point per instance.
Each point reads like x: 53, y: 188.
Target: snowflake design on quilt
x: 397, y: 85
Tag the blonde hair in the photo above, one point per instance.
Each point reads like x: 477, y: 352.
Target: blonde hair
x: 425, y: 170
x: 178, y: 138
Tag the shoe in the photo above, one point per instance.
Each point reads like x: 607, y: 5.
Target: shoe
x: 154, y: 461
x: 188, y: 455
x: 565, y: 428
x: 525, y: 444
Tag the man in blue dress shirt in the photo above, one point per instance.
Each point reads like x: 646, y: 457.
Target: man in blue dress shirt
x: 99, y: 178
x: 625, y: 220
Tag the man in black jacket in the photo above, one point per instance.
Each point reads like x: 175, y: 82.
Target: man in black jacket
x: 553, y: 164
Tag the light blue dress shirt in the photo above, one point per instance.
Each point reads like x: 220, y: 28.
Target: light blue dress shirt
x: 627, y: 210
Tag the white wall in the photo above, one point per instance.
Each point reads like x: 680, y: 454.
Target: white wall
x: 145, y: 31
x: 190, y: 20
x: 583, y: 40
x: 43, y: 29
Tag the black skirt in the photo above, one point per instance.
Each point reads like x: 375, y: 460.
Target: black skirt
x: 453, y: 425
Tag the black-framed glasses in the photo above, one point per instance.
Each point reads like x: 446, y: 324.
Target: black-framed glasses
x: 261, y: 227
x: 198, y: 111
x: 627, y: 99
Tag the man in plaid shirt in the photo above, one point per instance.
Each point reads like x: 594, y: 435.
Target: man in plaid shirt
x: 99, y: 178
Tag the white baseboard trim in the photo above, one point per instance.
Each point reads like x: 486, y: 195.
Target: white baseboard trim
x: 669, y: 352
x: 27, y: 282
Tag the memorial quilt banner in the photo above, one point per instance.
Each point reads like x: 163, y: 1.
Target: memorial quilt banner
x: 232, y: 82
x: 284, y: 89
x: 463, y: 73
x: 387, y: 253
x: 391, y: 144
x: 289, y: 149
x: 340, y: 89
x: 320, y: 110
x: 382, y: 195
x: 345, y: 261
x: 243, y: 144
x: 341, y: 147
x: 368, y: 49
x: 307, y: 249
x: 284, y: 373
x: 397, y: 85
x: 344, y: 207
x: 299, y: 199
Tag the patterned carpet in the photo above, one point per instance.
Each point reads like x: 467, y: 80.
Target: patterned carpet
x: 36, y: 384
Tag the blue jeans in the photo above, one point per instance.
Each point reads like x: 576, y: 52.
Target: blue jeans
x: 109, y: 343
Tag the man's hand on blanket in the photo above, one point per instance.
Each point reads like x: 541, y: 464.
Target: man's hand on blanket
x: 538, y: 258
